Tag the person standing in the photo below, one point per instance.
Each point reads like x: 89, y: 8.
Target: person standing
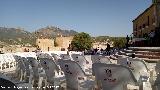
x: 127, y: 43
x: 108, y: 49
x: 95, y: 51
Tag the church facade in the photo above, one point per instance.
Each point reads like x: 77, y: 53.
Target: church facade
x: 147, y: 21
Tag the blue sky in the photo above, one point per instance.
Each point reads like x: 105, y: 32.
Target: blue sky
x: 96, y: 17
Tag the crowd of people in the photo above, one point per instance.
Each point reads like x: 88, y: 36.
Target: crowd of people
x: 107, y: 51
x: 148, y: 40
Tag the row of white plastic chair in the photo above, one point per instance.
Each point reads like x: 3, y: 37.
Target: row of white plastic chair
x: 74, y: 66
x: 136, y: 67
x: 28, y: 68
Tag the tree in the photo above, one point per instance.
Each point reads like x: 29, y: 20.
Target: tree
x: 119, y: 41
x: 81, y: 41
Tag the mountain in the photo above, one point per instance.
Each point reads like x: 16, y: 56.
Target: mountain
x: 52, y: 32
x: 18, y: 36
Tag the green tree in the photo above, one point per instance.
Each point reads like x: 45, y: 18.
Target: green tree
x: 81, y: 41
x: 119, y: 41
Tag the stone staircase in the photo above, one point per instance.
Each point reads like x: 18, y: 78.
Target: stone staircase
x: 149, y: 54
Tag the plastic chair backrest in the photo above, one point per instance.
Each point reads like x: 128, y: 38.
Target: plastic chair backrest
x: 65, y: 57
x: 20, y: 62
x: 80, y: 59
x: 112, y: 76
x: 35, y: 65
x: 138, y: 67
x: 100, y: 59
x: 105, y: 60
x: 72, y: 71
x: 55, y: 56
x: 157, y: 67
x: 49, y: 66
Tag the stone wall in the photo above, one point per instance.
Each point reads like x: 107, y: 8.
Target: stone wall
x: 45, y: 44
x: 16, y: 48
x: 64, y: 42
x: 145, y: 22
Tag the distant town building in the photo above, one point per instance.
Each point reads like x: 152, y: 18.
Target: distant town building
x: 147, y: 21
x: 101, y: 45
x: 27, y: 48
x: 16, y: 48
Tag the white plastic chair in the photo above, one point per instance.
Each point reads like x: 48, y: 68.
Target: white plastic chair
x: 113, y: 77
x: 21, y: 70
x: 65, y: 56
x: 138, y: 67
x: 156, y: 78
x: 26, y: 85
x: 105, y: 60
x: 74, y: 56
x: 140, y: 71
x: 95, y: 58
x: 55, y: 56
x: 49, y: 66
x: 84, y: 64
x: 157, y: 67
x: 157, y: 82
x: 21, y: 67
x: 80, y: 60
x: 76, y: 79
x: 39, y: 76
x: 100, y: 59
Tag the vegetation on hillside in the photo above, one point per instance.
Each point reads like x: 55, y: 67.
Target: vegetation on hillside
x: 81, y: 41
x: 52, y: 32
x: 17, y: 36
x: 118, y: 42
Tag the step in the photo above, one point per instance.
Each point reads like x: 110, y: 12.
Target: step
x: 145, y: 49
x: 148, y: 53
x: 150, y: 60
x: 148, y: 56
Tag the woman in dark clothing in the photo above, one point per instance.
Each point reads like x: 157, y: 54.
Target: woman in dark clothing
x: 108, y: 49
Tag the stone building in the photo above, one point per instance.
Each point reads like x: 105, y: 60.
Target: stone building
x: 147, y: 21
x: 45, y: 44
x: 64, y: 42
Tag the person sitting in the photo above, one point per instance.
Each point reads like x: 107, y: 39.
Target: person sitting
x: 127, y: 43
x: 133, y: 55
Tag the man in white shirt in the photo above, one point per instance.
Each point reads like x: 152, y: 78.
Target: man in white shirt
x: 151, y: 36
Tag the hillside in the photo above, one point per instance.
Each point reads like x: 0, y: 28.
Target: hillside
x: 17, y: 36
x: 52, y: 32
